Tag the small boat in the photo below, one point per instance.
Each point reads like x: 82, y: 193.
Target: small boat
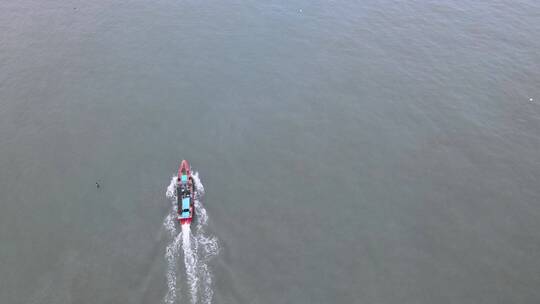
x: 185, y: 192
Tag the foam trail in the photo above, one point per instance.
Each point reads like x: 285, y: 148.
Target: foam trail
x: 171, y: 252
x: 171, y: 256
x: 190, y: 262
x: 207, y: 246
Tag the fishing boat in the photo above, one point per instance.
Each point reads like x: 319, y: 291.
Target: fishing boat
x: 185, y: 192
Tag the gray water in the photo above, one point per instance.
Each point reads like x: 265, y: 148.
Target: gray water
x: 351, y: 151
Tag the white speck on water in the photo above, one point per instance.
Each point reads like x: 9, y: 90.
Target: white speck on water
x: 531, y: 100
x: 300, y: 10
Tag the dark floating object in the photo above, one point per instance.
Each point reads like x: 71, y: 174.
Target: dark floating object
x: 97, y: 185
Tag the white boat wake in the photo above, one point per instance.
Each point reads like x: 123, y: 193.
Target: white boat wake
x: 198, y: 249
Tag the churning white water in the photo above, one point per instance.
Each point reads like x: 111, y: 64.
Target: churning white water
x: 197, y: 248
x: 190, y: 262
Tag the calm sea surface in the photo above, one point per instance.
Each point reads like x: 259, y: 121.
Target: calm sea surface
x: 352, y: 151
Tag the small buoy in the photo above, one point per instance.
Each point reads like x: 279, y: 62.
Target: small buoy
x: 97, y: 185
x: 300, y: 10
x: 531, y: 100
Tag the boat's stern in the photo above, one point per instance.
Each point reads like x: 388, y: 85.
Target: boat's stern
x: 185, y: 212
